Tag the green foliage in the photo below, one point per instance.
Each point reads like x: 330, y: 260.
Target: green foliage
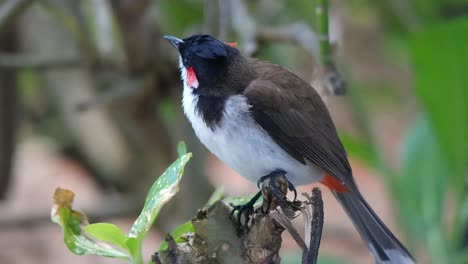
x: 216, y: 196
x: 178, y: 16
x: 437, y: 148
x: 434, y: 152
x: 160, y: 193
x: 105, y: 239
x: 358, y: 148
x: 76, y: 240
x: 441, y: 83
x: 107, y: 232
x: 421, y: 190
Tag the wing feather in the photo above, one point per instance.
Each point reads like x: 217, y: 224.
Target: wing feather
x: 296, y: 118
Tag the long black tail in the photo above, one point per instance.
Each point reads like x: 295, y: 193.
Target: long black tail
x: 383, y: 245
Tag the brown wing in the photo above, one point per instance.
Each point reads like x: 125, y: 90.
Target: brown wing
x: 294, y: 115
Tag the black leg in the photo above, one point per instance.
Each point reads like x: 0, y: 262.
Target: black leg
x: 292, y: 189
x: 246, y: 209
x: 275, y: 189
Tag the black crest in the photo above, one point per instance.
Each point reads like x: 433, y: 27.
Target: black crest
x: 196, y: 48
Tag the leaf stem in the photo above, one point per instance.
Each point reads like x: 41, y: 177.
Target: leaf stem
x: 321, y: 21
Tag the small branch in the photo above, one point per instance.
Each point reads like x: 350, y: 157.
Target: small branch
x: 297, y: 33
x: 321, y: 14
x: 104, y: 29
x: 332, y: 81
x: 39, y: 62
x: 223, y: 6
x: 244, y: 25
x: 316, y: 224
x: 279, y: 216
x: 60, y: 12
x: 315, y: 43
x: 404, y: 12
x: 121, y: 89
x: 211, y: 17
x: 10, y: 10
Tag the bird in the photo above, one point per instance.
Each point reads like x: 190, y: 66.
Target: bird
x: 260, y: 119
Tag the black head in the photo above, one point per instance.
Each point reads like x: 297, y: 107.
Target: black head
x: 209, y: 57
x: 197, y: 48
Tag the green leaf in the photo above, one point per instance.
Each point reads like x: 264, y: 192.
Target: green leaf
x: 181, y: 148
x: 216, y: 196
x: 186, y: 227
x: 132, y: 245
x: 71, y: 221
x: 107, y: 232
x: 165, y: 187
x: 358, y: 149
x: 421, y: 189
x: 440, y: 58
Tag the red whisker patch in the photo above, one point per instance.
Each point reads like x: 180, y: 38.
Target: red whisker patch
x: 232, y: 44
x: 191, y: 78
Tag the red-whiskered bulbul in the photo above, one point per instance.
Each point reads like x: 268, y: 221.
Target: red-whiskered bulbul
x: 259, y: 118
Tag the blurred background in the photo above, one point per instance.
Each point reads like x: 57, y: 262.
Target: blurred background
x: 90, y: 101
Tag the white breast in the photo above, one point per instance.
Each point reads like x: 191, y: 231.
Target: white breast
x: 243, y: 145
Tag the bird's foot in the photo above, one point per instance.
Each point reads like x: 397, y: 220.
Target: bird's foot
x: 245, y: 210
x: 274, y: 189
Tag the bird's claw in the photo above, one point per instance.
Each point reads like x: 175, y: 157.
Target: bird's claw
x: 246, y: 209
x: 278, y: 173
x: 276, y: 188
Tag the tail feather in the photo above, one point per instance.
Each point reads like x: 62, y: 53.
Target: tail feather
x: 383, y: 245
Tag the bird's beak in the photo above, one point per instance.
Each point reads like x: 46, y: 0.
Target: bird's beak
x: 174, y: 41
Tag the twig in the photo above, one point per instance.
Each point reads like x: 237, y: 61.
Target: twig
x: 39, y: 62
x: 223, y: 6
x: 244, y: 25
x: 211, y: 17
x: 297, y: 33
x: 316, y: 43
x: 173, y: 250
x: 9, y: 10
x: 61, y: 14
x: 279, y: 216
x: 316, y: 224
x: 103, y: 28
x: 321, y: 14
x: 8, y: 128
x: 122, y: 89
x: 404, y: 12
x: 332, y: 81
